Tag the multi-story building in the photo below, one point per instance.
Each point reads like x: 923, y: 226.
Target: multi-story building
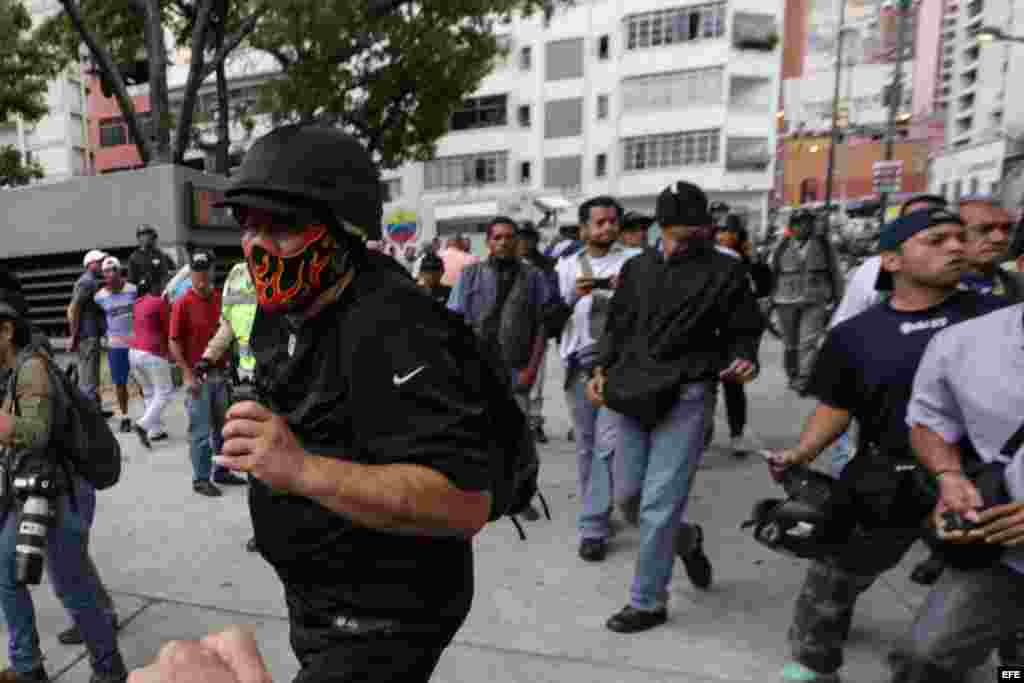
x: 985, y: 120
x: 608, y: 97
x: 870, y: 34
x: 59, y: 141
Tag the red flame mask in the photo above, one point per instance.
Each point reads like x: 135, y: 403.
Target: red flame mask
x: 288, y: 282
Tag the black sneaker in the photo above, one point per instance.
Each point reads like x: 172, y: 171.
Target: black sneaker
x: 539, y: 435
x: 205, y: 488
x: 162, y: 436
x: 143, y: 436
x: 126, y: 425
x: 225, y: 478
x: 250, y: 545
x: 593, y: 549
x: 929, y: 571
x: 37, y: 675
x: 73, y: 636
x: 632, y: 620
x: 107, y: 414
x: 690, y: 550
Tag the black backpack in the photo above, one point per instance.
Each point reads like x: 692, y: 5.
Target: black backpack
x: 515, y: 466
x: 79, y: 433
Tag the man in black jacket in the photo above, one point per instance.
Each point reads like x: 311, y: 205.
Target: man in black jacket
x: 369, y: 447
x: 682, y: 317
x: 148, y: 262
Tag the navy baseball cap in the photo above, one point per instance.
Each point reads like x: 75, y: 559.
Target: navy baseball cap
x: 902, y: 229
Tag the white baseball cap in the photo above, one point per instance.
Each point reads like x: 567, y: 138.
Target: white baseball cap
x: 93, y: 256
x: 111, y: 263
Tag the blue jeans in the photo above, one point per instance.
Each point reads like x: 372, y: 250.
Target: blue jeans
x: 204, y: 438
x: 75, y: 584
x: 840, y: 453
x: 662, y: 461
x: 595, y: 443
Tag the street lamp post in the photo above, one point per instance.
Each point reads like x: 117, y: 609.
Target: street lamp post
x: 830, y: 173
x: 896, y: 91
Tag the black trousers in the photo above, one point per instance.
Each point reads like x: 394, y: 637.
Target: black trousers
x: 410, y: 659
x: 735, y: 407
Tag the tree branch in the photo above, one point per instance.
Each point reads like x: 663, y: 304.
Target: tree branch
x: 106, y: 64
x: 232, y: 41
x: 198, y: 44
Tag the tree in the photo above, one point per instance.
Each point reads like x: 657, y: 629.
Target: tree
x: 13, y: 172
x: 117, y: 32
x: 391, y: 77
x: 26, y: 65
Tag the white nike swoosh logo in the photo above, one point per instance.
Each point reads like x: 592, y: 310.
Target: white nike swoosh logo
x: 399, y: 381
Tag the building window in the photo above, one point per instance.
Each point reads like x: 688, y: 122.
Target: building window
x: 113, y: 132
x: 975, y: 183
x: 601, y: 166
x: 526, y: 58
x: 391, y: 189
x: 958, y: 190
x: 672, y: 26
x: 563, y: 173
x: 564, y: 59
x: 524, y: 115
x: 604, y: 47
x: 563, y: 118
x: 525, y: 169
x: 602, y: 107
x: 481, y: 112
x: 456, y: 172
x: 667, y: 150
x: 673, y: 90
x: 745, y: 154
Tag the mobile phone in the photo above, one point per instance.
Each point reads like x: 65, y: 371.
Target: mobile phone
x: 602, y: 283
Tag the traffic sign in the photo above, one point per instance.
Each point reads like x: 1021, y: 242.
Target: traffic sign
x: 887, y: 177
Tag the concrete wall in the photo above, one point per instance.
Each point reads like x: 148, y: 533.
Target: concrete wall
x: 100, y: 211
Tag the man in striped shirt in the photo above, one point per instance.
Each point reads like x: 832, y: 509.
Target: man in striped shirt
x: 117, y: 298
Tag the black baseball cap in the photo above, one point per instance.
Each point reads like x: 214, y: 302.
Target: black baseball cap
x: 902, y: 229
x: 201, y: 261
x: 635, y: 222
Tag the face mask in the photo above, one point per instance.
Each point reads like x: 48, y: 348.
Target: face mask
x: 288, y: 282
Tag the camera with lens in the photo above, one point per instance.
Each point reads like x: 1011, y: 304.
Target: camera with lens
x: 37, y: 490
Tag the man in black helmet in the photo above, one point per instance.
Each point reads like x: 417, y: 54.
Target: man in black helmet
x: 148, y: 262
x: 368, y: 448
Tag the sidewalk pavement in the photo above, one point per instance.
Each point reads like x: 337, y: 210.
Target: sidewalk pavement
x: 176, y: 565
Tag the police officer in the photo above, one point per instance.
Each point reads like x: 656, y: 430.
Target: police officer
x: 808, y: 284
x: 369, y: 449
x: 147, y: 262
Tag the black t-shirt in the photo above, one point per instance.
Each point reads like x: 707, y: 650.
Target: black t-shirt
x: 439, y: 294
x: 372, y: 379
x: 867, y: 364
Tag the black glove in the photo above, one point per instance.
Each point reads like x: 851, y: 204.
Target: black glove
x: 201, y: 370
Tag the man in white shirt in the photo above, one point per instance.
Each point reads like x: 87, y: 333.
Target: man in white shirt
x: 586, y: 281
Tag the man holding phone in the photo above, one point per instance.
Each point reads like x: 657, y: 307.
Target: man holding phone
x: 586, y: 280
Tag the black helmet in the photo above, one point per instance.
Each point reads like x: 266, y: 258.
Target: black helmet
x: 814, y: 522
x: 633, y: 220
x: 300, y: 165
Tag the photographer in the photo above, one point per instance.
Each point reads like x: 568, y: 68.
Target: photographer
x: 968, y: 385
x: 865, y: 370
x: 369, y: 446
x: 25, y: 436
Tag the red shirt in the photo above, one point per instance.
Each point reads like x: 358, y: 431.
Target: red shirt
x: 194, y: 322
x: 150, y: 318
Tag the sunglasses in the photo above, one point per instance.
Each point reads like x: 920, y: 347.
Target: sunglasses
x: 264, y: 218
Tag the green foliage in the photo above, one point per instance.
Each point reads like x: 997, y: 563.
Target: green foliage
x: 393, y: 80
x: 13, y: 172
x: 26, y: 65
x: 118, y: 24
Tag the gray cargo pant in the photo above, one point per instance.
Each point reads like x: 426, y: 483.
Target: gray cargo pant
x: 89, y: 367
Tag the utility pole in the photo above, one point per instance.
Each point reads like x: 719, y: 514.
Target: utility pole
x: 896, y: 90
x: 834, y: 134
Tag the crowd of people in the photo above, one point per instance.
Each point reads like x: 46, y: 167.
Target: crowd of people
x: 369, y: 526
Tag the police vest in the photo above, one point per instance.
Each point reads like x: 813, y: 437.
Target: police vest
x: 238, y: 308
x: 804, y: 272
